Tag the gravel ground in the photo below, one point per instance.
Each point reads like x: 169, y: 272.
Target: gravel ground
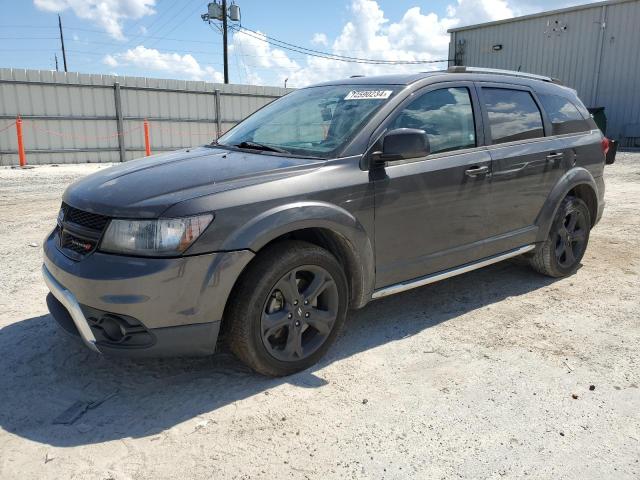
x: 486, y: 375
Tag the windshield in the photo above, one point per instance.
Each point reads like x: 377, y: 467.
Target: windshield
x: 315, y: 122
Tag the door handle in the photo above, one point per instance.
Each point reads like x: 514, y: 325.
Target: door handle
x: 476, y: 171
x: 554, y: 155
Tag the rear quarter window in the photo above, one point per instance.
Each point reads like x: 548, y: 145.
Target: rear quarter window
x: 513, y: 115
x: 564, y: 115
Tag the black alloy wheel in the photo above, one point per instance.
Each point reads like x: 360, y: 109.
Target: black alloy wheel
x: 287, y: 308
x: 299, y: 313
x: 560, y: 254
x: 571, y: 238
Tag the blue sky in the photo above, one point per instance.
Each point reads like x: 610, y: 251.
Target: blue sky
x: 167, y: 38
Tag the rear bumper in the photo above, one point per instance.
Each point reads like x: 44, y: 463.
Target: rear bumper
x: 142, y: 306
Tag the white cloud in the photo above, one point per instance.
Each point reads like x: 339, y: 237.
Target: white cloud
x: 109, y: 14
x: 258, y: 56
x: 110, y: 60
x: 320, y: 39
x: 525, y: 7
x: 468, y: 12
x: 173, y: 64
x: 417, y: 35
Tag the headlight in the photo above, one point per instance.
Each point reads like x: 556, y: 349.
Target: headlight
x: 162, y: 237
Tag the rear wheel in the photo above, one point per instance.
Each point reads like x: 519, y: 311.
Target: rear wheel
x: 287, y: 309
x: 560, y: 254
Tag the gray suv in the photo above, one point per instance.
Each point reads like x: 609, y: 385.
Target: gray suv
x: 320, y: 202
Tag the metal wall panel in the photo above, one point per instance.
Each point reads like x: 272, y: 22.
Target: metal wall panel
x: 619, y: 73
x: 592, y: 48
x: 71, y: 118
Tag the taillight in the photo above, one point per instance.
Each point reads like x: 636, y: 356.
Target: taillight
x: 604, y: 143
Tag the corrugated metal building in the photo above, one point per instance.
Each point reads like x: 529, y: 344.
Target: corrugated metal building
x: 593, y: 48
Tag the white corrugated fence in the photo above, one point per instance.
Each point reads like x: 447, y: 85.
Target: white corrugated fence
x: 77, y: 118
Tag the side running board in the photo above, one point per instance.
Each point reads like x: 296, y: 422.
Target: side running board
x: 452, y: 272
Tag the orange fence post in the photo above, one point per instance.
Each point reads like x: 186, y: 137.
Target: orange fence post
x: 147, y: 143
x: 21, y: 154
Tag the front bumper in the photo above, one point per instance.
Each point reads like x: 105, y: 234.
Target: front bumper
x: 170, y: 306
x: 69, y: 302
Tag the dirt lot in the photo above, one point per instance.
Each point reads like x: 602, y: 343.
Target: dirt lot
x: 469, y: 378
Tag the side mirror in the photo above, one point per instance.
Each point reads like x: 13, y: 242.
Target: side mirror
x: 402, y: 144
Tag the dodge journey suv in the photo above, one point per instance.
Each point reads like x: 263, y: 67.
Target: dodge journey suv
x: 330, y: 197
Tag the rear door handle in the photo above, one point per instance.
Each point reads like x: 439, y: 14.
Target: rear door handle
x: 554, y: 156
x: 477, y: 170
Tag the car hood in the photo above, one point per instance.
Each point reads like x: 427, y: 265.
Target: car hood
x: 146, y: 187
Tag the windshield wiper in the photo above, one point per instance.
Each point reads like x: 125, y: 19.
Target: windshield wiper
x: 259, y: 146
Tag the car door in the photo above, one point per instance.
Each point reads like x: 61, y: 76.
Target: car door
x: 431, y: 212
x: 525, y: 164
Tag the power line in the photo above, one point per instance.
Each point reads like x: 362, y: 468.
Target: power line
x: 161, y: 15
x: 29, y: 38
x: 13, y: 25
x: 257, y: 35
x: 141, y: 19
x: 241, y: 53
x: 181, y: 51
x: 114, y: 43
x: 125, y: 44
x: 135, y: 37
x: 173, y: 17
x: 179, y: 24
x: 326, y: 55
x: 290, y: 47
x: 238, y: 61
x: 52, y: 49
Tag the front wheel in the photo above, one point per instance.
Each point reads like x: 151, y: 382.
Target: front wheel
x: 287, y: 308
x: 560, y: 254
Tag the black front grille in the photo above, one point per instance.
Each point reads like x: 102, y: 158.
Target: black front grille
x: 76, y: 244
x: 85, y: 219
x: 80, y: 231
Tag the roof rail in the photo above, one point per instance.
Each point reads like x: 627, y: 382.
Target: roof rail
x: 512, y: 73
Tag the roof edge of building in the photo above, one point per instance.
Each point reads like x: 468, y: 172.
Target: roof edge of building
x: 539, y: 14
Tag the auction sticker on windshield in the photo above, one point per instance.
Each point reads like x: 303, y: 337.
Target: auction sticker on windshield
x: 368, y: 94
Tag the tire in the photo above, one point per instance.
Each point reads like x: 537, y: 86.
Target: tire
x: 560, y: 254
x: 287, y: 308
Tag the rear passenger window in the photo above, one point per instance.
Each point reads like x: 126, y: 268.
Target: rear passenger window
x: 564, y: 116
x: 513, y: 115
x: 445, y: 115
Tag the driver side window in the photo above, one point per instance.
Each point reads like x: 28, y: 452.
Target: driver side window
x: 446, y: 115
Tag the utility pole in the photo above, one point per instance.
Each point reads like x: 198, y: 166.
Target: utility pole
x: 64, y: 53
x: 56, y: 56
x: 224, y: 41
x: 220, y: 12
